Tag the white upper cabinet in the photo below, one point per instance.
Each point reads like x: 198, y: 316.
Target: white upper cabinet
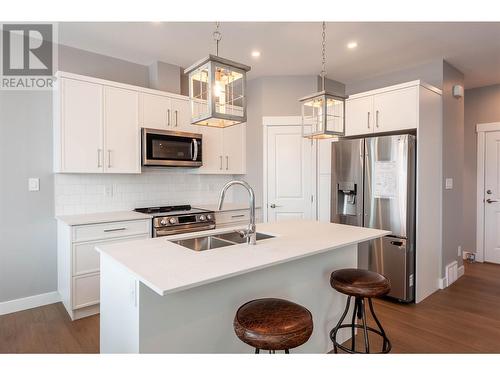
x: 384, y: 110
x: 155, y: 111
x: 359, y: 116
x: 181, y: 117
x: 97, y: 128
x: 165, y: 113
x: 212, y: 150
x: 224, y: 149
x: 79, y: 135
x: 234, y: 149
x: 396, y: 110
x: 121, y: 131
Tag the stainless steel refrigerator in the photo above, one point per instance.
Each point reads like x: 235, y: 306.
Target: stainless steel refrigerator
x: 373, y: 185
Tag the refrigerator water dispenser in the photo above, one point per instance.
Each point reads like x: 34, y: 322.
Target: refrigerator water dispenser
x: 346, y: 198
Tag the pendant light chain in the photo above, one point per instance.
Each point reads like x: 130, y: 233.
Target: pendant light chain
x: 217, y: 37
x: 323, y: 62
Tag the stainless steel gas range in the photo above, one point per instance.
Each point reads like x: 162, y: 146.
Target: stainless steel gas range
x: 169, y: 220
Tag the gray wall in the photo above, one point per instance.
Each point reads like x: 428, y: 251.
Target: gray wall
x: 27, y: 224
x: 430, y: 72
x: 91, y: 64
x: 165, y: 77
x: 453, y: 160
x: 273, y: 96
x: 482, y: 105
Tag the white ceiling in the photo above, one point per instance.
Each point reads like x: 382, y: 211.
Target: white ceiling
x: 295, y: 48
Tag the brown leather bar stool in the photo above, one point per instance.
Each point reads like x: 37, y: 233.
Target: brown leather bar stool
x: 273, y: 324
x: 362, y: 285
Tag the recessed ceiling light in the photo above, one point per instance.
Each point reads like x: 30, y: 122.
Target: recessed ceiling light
x: 352, y: 45
x: 255, y: 53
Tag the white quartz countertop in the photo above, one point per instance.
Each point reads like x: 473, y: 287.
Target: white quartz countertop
x: 166, y: 267
x: 102, y: 217
x: 225, y: 207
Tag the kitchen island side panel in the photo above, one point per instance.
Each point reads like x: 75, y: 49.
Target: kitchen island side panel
x: 200, y: 319
x: 119, y: 309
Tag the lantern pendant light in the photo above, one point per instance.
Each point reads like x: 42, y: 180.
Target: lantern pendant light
x: 323, y: 112
x: 217, y: 90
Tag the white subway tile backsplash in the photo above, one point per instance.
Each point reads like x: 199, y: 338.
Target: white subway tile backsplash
x: 86, y: 193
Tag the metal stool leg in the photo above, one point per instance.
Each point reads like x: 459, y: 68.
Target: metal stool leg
x: 257, y: 350
x: 333, y: 332
x: 386, y: 346
x: 365, y: 330
x: 360, y: 313
x: 353, y: 324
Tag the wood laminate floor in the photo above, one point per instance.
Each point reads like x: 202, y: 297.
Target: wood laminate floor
x: 464, y: 318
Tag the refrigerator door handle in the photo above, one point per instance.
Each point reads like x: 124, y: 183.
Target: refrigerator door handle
x: 397, y: 243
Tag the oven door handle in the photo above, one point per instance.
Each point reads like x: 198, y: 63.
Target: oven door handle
x: 171, y: 232
x: 194, y: 149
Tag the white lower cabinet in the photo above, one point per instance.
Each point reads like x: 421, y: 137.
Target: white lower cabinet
x: 78, y: 261
x: 232, y: 218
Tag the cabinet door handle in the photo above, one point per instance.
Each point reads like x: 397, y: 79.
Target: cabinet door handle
x: 114, y: 229
x: 368, y: 121
x: 168, y: 117
x: 176, y: 119
x: 99, y: 158
x: 237, y: 216
x: 227, y: 162
x: 109, y: 158
x: 376, y: 118
x: 220, y: 162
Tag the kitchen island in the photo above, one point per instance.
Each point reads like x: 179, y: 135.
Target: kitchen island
x: 158, y: 296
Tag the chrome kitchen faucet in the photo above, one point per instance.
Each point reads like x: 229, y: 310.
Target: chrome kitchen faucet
x: 250, y: 233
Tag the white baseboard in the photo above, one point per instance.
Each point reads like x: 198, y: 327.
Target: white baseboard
x: 20, y: 304
x: 443, y: 283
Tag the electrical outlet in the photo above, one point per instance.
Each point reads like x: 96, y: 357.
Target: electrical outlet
x: 108, y: 191
x: 459, y: 253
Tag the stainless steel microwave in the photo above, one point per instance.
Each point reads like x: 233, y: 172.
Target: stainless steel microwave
x: 165, y: 148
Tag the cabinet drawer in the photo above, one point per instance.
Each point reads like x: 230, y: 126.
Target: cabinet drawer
x: 86, y: 258
x: 85, y: 290
x: 111, y: 230
x: 232, y: 216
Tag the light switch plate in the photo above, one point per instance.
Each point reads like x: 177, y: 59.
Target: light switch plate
x: 33, y: 184
x: 449, y: 183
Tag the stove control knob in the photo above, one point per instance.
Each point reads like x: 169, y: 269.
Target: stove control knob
x: 209, y: 217
x: 172, y: 220
x: 163, y: 222
x: 202, y: 218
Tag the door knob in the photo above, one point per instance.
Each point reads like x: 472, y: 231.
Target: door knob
x: 488, y: 191
x: 491, y: 200
x: 272, y: 205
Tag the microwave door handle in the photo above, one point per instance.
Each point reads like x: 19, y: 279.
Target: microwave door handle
x: 195, y: 149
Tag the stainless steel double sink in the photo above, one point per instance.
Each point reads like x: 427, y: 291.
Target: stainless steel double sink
x: 216, y: 241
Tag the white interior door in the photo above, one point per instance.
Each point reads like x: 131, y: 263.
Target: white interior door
x: 492, y: 198
x: 290, y: 174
